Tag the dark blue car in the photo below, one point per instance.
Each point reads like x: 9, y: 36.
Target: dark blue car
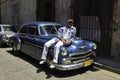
x: 32, y: 36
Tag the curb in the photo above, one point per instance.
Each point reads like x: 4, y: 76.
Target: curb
x: 115, y: 70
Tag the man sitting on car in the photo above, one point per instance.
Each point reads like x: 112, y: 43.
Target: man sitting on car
x: 65, y: 36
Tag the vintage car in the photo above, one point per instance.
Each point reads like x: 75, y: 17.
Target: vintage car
x: 32, y: 36
x: 5, y: 33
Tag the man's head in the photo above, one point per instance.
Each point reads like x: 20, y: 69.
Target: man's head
x: 70, y: 22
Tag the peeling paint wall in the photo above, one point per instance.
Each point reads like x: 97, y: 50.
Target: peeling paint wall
x: 63, y: 11
x: 17, y: 12
x: 115, y: 50
x: 5, y: 12
x: 28, y: 10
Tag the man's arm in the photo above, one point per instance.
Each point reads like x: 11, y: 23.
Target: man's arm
x: 60, y: 36
x: 64, y: 42
x: 72, y: 36
x: 59, y: 32
x: 73, y: 33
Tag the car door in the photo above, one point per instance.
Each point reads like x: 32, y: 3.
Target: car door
x: 31, y: 41
x: 39, y: 42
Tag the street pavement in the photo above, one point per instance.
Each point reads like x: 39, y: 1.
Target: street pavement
x: 108, y: 64
x: 22, y: 67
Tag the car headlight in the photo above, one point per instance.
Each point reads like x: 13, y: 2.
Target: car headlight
x: 66, y: 61
x: 64, y: 52
x: 3, y: 37
x: 94, y: 46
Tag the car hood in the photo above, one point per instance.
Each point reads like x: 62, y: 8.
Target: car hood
x: 8, y: 33
x: 78, y: 45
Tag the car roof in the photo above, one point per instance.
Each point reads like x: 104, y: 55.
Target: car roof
x: 41, y: 23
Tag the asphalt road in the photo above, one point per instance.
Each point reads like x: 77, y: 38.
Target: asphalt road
x: 22, y: 67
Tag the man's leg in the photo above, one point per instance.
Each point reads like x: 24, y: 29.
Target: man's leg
x: 45, y: 50
x: 56, y: 52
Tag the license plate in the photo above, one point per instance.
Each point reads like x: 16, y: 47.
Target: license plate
x: 87, y: 63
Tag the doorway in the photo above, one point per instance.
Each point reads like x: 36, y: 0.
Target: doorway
x: 45, y: 10
x: 93, y: 19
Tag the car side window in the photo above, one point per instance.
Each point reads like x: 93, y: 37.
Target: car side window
x: 42, y: 30
x: 36, y: 31
x: 33, y: 30
x: 24, y: 29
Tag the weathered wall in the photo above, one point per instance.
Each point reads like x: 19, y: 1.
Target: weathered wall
x: 28, y: 10
x: 63, y: 11
x: 115, y: 50
x: 17, y: 12
x: 6, y: 12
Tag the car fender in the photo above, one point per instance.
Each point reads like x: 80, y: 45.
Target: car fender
x: 14, y: 40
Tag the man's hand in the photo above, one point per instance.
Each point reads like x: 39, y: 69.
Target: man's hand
x: 63, y: 41
x: 69, y: 42
x: 66, y: 43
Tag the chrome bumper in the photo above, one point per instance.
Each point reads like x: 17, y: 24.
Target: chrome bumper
x: 71, y: 66
x: 5, y: 41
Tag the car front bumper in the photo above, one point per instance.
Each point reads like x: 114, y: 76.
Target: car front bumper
x: 5, y: 41
x: 72, y: 66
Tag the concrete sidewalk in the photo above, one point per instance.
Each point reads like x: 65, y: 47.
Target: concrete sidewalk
x: 108, y: 64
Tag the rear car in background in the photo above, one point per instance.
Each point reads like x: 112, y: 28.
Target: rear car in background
x: 5, y: 33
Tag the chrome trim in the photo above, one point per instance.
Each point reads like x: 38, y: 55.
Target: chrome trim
x: 78, y: 61
x: 33, y: 44
x: 80, y: 53
x: 19, y: 44
x: 79, y: 57
x: 71, y: 66
x: 83, y: 47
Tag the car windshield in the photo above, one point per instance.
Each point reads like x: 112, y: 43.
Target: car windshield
x: 7, y: 28
x: 49, y: 29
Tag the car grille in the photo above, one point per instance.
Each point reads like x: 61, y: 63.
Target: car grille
x: 80, y: 57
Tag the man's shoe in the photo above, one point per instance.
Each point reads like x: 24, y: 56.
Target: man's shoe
x: 52, y: 65
x: 42, y: 61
